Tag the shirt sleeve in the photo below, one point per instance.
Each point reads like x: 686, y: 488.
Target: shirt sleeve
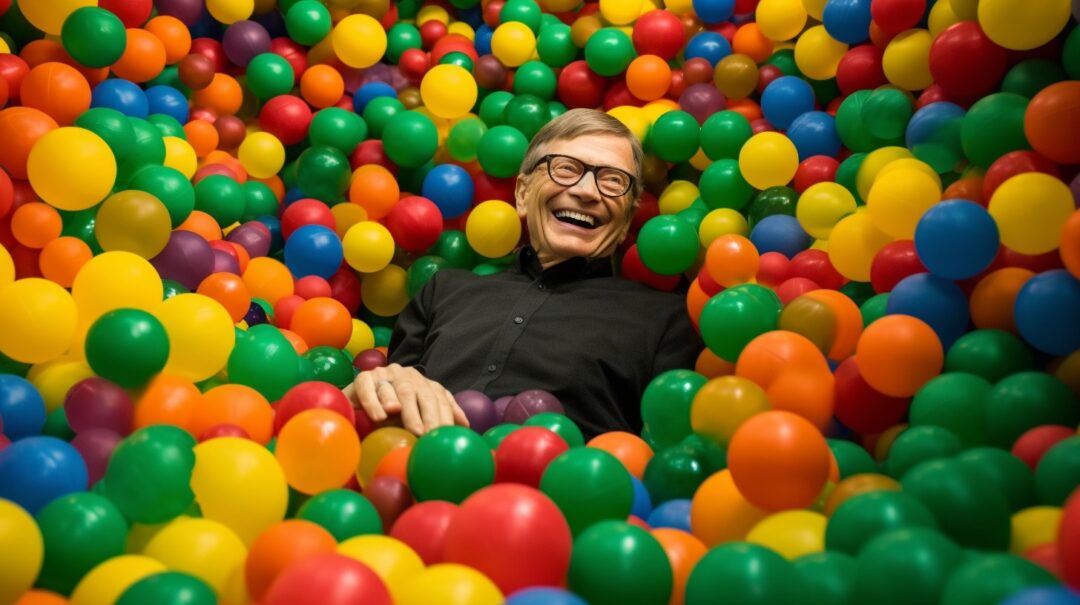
x: 679, y: 346
x: 411, y: 328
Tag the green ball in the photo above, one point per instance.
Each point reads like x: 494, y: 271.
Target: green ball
x: 665, y: 405
x: 886, y: 113
x: 172, y: 288
x: 501, y: 150
x: 784, y: 60
x: 270, y: 74
x: 668, y: 245
x: 94, y: 36
x: 847, y: 171
x: 589, y: 486
x: 464, y: 139
x: 992, y: 578
x: 827, y: 578
x: 167, y: 125
x: 873, y: 308
x: 522, y: 11
x: 495, y: 435
x: 1024, y: 401
x: 338, y: 128
x: 331, y: 365
x: 527, y: 113
x: 555, y: 46
x: 112, y: 126
x: 858, y: 291
x: 169, y: 588
x: 615, y: 563
x: 535, y: 78
x: 968, y: 509
x: 79, y: 531
x: 1007, y: 473
x: 694, y: 214
x: 324, y: 173
x: 149, y: 474
x: 127, y: 347
x: 458, y: 58
x: 379, y: 111
x: 409, y: 139
x: 675, y: 136
x: 955, y: 401
x: 905, y: 566
x: 1070, y: 55
x: 171, y: 187
x: 991, y: 354
x: 737, y: 315
x: 421, y: 272
x: 723, y: 135
x: 56, y: 425
x: 852, y: 127
x: 263, y: 359
x: 560, y: 425
x: 493, y: 108
x: 862, y: 518
x: 382, y: 335
x: 259, y: 201
x: 221, y: 197
x: 993, y: 127
x: 147, y: 149
x: 1058, y: 473
x: 450, y: 463
x: 851, y: 458
x: 774, y: 200
x: 453, y: 247
x: 711, y: 455
x: 342, y: 512
x: 308, y: 22
x: 1027, y: 78
x: 742, y: 573
x: 400, y: 38
x: 609, y: 52
x: 674, y: 473
x: 722, y: 185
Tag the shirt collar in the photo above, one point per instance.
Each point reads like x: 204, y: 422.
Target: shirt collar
x: 527, y: 262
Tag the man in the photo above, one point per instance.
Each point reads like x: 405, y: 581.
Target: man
x: 558, y: 320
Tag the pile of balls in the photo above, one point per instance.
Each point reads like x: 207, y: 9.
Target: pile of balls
x: 211, y: 212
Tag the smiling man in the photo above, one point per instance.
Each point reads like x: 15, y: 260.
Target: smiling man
x: 559, y: 319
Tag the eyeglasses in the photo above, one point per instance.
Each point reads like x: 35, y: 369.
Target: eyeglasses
x: 568, y: 171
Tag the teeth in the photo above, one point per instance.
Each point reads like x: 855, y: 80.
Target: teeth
x: 576, y: 216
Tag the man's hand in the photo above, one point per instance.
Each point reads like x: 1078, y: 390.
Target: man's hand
x: 423, y: 404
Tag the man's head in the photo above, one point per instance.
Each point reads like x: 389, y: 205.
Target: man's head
x: 570, y: 183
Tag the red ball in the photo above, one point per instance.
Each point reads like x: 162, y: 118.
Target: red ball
x: 312, y: 395
x: 965, y: 62
x: 211, y: 49
x: 371, y: 152
x: 345, y: 288
x: 413, y: 64
x: 660, y: 33
x: 132, y: 13
x: 618, y: 95
x: 893, y: 263
x: 390, y: 496
x: 708, y: 285
x: 766, y: 75
x: 369, y: 359
x: 698, y: 71
x: 579, y: 86
x: 514, y: 535
x: 423, y: 527
x: 860, y: 69
x: 7, y: 193
x: 813, y: 170
x: 415, y: 222
x: 648, y: 207
x: 487, y: 187
x: 1069, y: 540
x: 1012, y: 164
x: 897, y: 16
x: 450, y: 44
x: 1031, y: 446
x: 284, y: 309
x: 794, y: 287
x: 1038, y: 263
x: 525, y: 453
x: 306, y: 212
x: 224, y: 429
x: 860, y: 407
x: 431, y: 32
x: 231, y: 132
x: 815, y: 266
x: 773, y: 269
x: 328, y: 579
x: 287, y: 118
x: 933, y: 94
x: 13, y: 69
x: 312, y: 286
x: 492, y: 10
x: 633, y: 268
x: 292, y: 52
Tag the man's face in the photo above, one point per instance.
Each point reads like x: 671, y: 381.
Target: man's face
x: 556, y: 229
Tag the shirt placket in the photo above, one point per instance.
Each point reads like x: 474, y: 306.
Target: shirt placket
x: 513, y: 326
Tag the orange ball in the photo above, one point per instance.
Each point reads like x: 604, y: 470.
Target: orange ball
x: 34, y: 225
x: 630, y: 449
x: 174, y: 36
x: 230, y: 290
x: 203, y: 224
x: 779, y: 461
x: 268, y: 279
x: 709, y: 365
x: 322, y: 321
x: 831, y: 320
x: 806, y: 393
x: 749, y: 41
x: 648, y: 77
x: 1070, y: 244
x: 683, y: 551
x: 168, y: 399
x: 202, y: 136
x: 732, y: 260
x: 898, y: 354
x: 143, y: 58
x: 394, y: 464
x: 62, y: 258
x: 242, y: 256
x: 773, y: 353
x: 57, y: 89
x: 223, y: 96
x: 279, y: 547
x: 696, y: 299
x: 322, y: 86
x: 294, y: 339
x: 749, y: 109
x: 375, y: 189
x: 41, y: 597
x: 276, y: 185
x: 858, y: 484
x: 20, y: 128
x: 235, y: 404
x: 968, y: 188
x: 993, y: 298
x: 318, y: 450
x: 719, y: 513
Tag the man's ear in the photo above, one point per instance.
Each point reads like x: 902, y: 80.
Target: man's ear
x: 520, y: 187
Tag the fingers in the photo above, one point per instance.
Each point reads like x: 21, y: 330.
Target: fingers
x: 411, y: 417
x: 456, y: 413
x: 362, y: 393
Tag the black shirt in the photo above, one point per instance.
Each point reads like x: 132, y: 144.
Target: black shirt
x: 592, y: 339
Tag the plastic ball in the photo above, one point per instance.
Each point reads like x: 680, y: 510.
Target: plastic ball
x: 1038, y: 308
x: 93, y: 36
x: 448, y: 91
x: 49, y: 17
x: 37, y: 470
x: 780, y: 233
x: 1031, y: 225
x: 956, y: 239
x: 228, y: 12
x: 897, y: 354
x: 21, y: 532
x: 493, y: 228
x: 37, y: 320
x: 768, y: 159
x: 1011, y: 25
x: 1051, y: 113
x: 71, y: 168
x: 262, y: 155
x: 513, y: 43
x: 641, y: 571
x: 780, y: 20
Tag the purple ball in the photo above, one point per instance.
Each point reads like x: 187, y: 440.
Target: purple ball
x: 369, y: 359
x: 96, y: 403
x: 188, y: 11
x: 244, y: 40
x: 530, y: 403
x: 96, y: 447
x: 186, y: 259
x: 1074, y: 186
x: 701, y: 101
x: 478, y: 408
x: 253, y: 236
x: 390, y: 496
x: 500, y: 405
x: 225, y: 263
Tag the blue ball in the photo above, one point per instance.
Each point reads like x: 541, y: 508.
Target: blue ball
x: 814, y: 133
x: 847, y: 21
x: 273, y: 224
x: 370, y: 91
x: 673, y: 513
x: 932, y: 122
x: 956, y: 239
x: 1046, y: 312
x: 313, y: 250
x: 710, y: 46
x: 544, y: 596
x: 714, y: 11
x: 482, y: 39
x: 37, y: 470
x: 123, y: 96
x: 785, y: 99
x: 22, y: 409
x: 169, y: 101
x: 935, y: 300
x: 642, y: 507
x: 450, y: 187
x: 1043, y: 595
x: 780, y: 233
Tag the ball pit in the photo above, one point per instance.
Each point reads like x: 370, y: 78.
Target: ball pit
x: 212, y: 210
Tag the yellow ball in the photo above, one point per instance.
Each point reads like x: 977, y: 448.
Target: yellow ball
x: 133, y: 221
x: 391, y: 559
x: 633, y: 118
x: 700, y: 160
x: 362, y: 338
x: 347, y: 215
x: 768, y: 159
x: 817, y: 54
x: 376, y: 446
x: 230, y: 11
x: 7, y: 267
x: 910, y: 164
x: 792, y: 534
x: 781, y: 20
x: 18, y: 534
x: 966, y: 10
x: 451, y: 584
x: 179, y: 154
x: 53, y: 379
x: 852, y: 245
x: 493, y: 228
x: 941, y: 17
x: 462, y: 29
x: 359, y: 41
x: 513, y: 43
x: 203, y: 548
x: 108, y: 581
x: 620, y: 12
x: 559, y: 6
x: 368, y: 247
x: 823, y: 205
x: 201, y: 335
x: 114, y: 280
x: 679, y: 7
x: 814, y: 8
x: 448, y: 91
x: 723, y: 404
x: 874, y: 162
x: 1019, y: 25
x: 898, y: 200
x: 383, y: 292
x: 37, y: 320
x: 654, y: 109
x: 432, y: 13
x: 1033, y: 527
x: 722, y: 221
x: 677, y: 197
x: 239, y: 484
x: 1031, y: 210
x: 71, y: 168
x: 49, y: 15
x: 907, y: 60
x: 261, y: 154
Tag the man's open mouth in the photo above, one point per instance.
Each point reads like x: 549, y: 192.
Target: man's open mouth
x: 577, y: 219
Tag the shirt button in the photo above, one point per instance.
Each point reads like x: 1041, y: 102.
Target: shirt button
x: 539, y: 286
x: 519, y: 320
x: 491, y: 368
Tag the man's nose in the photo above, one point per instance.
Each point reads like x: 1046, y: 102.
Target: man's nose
x: 587, y: 188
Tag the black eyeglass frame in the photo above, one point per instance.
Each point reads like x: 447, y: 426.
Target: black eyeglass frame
x: 594, y: 169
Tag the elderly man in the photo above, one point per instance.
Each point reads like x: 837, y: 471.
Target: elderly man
x: 558, y: 320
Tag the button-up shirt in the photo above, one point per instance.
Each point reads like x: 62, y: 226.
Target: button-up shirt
x: 574, y: 329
